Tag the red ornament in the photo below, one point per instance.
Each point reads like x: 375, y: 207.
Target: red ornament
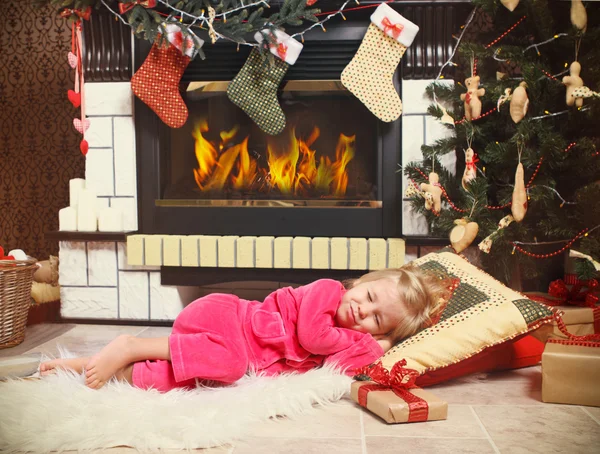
x: 75, y: 98
x: 84, y: 146
x: 310, y: 2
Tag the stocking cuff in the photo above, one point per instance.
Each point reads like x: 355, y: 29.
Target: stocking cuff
x: 394, y: 25
x: 287, y: 48
x: 176, y: 37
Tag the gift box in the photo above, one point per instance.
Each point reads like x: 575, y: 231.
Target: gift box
x: 394, y: 397
x: 579, y: 320
x: 394, y: 408
x: 571, y: 371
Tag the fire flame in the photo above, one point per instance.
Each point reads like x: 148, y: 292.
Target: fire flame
x: 291, y: 161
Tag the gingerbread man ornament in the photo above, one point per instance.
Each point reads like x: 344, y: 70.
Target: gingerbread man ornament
x: 573, y: 81
x: 471, y: 98
x: 433, y: 193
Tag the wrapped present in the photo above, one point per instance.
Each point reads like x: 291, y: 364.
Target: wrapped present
x: 571, y: 368
x: 394, y: 397
x: 579, y: 320
x: 571, y: 372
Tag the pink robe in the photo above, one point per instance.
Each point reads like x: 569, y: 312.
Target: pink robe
x: 220, y: 337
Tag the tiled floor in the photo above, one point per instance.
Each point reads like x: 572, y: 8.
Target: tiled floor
x: 488, y: 413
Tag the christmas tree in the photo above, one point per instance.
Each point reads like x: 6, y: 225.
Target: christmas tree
x: 524, y: 115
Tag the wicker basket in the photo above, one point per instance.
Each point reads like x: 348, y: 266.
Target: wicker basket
x: 16, y: 277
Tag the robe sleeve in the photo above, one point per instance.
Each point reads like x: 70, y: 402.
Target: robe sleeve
x: 317, y: 333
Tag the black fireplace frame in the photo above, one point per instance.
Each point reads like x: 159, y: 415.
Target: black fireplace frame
x: 152, y: 136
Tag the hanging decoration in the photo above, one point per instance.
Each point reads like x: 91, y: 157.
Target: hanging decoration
x: 77, y: 96
x: 585, y: 92
x: 580, y: 255
x: 369, y: 75
x: 519, y: 196
x: 578, y: 15
x: 519, y: 103
x: 471, y: 99
x: 470, y: 172
x: 254, y: 89
x: 446, y: 118
x: 510, y: 4
x: 507, y: 96
x: 463, y: 234
x: 432, y: 192
x: 573, y: 82
x: 156, y: 83
x: 486, y: 244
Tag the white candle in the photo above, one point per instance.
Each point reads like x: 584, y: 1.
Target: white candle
x: 87, y: 220
x: 67, y: 219
x: 110, y: 220
x: 75, y: 187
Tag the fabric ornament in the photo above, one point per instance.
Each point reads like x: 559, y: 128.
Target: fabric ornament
x: 471, y: 98
x: 585, y: 92
x: 369, y: 76
x: 156, y: 82
x: 470, y: 172
x: 519, y: 196
x: 463, y: 234
x: 581, y: 255
x: 486, y: 244
x: 578, y: 15
x: 510, y: 4
x: 573, y: 82
x: 446, y: 118
x: 519, y: 103
x: 77, y: 96
x: 432, y: 192
x: 507, y: 96
x: 254, y: 89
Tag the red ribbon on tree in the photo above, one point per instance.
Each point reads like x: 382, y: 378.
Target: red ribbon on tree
x: 81, y: 13
x: 393, y: 29
x: 471, y: 165
x: 399, y: 380
x: 124, y: 7
x: 575, y: 296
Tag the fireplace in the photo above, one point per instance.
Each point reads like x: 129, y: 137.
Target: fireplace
x: 331, y: 172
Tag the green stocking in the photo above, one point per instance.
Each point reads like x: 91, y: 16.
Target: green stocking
x: 254, y: 90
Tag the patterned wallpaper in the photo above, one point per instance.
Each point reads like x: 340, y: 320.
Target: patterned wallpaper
x: 39, y: 148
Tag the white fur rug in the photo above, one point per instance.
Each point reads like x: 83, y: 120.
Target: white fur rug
x: 60, y: 413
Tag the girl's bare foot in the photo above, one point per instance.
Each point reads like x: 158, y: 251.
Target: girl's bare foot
x: 111, y: 359
x: 74, y: 364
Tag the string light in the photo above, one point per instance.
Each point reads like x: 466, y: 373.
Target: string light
x: 516, y: 246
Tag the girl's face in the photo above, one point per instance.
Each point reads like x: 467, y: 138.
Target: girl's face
x: 371, y: 307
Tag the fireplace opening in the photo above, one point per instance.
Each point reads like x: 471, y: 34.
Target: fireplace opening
x: 326, y: 155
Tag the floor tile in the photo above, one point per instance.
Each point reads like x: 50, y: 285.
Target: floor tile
x: 540, y: 429
x: 86, y: 340
x: 595, y: 412
x: 339, y: 420
x: 155, y: 331
x: 36, y: 335
x: 126, y: 450
x: 391, y: 445
x: 508, y: 388
x: 461, y: 422
x: 298, y: 446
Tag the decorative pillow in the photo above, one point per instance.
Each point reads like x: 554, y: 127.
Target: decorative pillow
x: 479, y: 319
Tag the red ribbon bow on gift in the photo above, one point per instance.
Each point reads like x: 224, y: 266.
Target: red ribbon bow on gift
x: 575, y: 296
x: 471, y: 165
x: 124, y: 7
x: 5, y: 257
x: 393, y: 29
x: 82, y: 13
x: 400, y: 379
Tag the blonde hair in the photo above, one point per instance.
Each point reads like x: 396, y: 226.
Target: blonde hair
x: 421, y: 294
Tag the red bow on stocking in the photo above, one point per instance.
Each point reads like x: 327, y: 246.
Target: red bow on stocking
x: 399, y: 380
x: 81, y: 13
x: 393, y: 29
x: 124, y: 7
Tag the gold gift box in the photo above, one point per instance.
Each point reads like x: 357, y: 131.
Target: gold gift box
x: 579, y: 320
x: 571, y: 373
x: 393, y: 409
